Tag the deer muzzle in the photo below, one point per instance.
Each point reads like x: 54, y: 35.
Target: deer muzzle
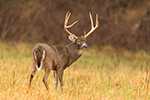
x: 84, y: 45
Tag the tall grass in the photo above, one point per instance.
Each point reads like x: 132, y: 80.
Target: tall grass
x: 105, y: 74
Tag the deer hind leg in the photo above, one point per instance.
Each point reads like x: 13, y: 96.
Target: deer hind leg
x: 31, y: 76
x: 33, y: 72
x: 47, y: 72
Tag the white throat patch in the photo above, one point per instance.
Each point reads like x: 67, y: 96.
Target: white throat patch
x: 80, y: 52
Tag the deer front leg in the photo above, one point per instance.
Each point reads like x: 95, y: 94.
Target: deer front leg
x: 56, y: 79
x: 47, y: 72
x: 60, y: 76
x: 31, y: 76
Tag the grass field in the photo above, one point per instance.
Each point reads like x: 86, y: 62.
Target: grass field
x: 104, y: 74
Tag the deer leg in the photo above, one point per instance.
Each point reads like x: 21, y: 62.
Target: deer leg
x: 56, y: 79
x: 60, y: 76
x: 31, y: 77
x: 47, y: 72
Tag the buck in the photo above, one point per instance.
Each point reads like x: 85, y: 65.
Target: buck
x: 57, y: 57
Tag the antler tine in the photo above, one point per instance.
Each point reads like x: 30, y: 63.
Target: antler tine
x: 97, y: 23
x: 92, y: 25
x: 65, y: 24
x: 84, y: 33
x: 72, y: 24
x: 66, y: 18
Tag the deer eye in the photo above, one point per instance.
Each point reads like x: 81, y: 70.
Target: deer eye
x: 78, y: 41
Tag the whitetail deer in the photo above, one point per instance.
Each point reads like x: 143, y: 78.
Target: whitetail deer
x: 56, y: 57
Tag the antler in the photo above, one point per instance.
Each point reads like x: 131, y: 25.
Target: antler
x: 66, y: 27
x: 92, y: 26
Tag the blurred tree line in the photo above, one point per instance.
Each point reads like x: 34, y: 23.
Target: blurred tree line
x: 123, y: 23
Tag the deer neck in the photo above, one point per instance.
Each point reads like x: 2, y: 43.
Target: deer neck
x: 74, y: 50
x: 73, y: 53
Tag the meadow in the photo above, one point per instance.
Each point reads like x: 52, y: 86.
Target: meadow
x: 105, y: 74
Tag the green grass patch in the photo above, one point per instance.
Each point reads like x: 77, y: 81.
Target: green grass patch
x: 98, y: 74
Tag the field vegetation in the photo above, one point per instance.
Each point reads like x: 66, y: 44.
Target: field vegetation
x: 105, y: 74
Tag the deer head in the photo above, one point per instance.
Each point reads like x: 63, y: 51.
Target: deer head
x: 80, y: 42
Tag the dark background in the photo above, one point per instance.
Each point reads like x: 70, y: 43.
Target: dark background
x: 123, y: 23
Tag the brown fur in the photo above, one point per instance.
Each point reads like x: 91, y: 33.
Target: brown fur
x: 57, y: 58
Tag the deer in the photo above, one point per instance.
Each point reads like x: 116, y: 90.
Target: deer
x: 59, y: 57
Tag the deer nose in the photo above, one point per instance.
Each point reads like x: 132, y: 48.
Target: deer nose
x: 84, y: 45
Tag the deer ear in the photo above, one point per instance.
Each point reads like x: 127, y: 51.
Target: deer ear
x: 71, y: 38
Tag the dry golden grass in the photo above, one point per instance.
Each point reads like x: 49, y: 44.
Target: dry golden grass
x: 98, y: 75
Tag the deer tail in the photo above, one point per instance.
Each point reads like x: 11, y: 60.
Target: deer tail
x: 39, y: 55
